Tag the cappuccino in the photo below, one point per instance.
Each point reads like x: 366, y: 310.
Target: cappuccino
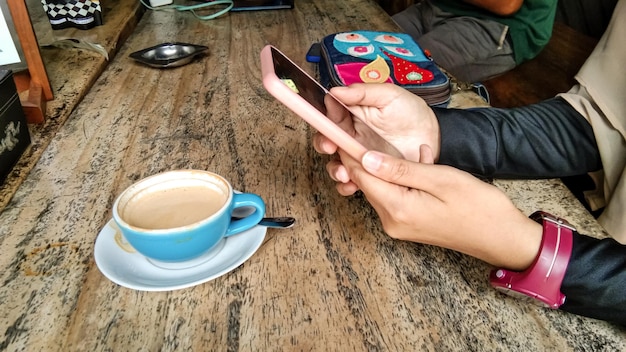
x: 178, y: 215
x: 154, y: 209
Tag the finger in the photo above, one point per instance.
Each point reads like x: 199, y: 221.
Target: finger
x: 323, y: 145
x: 370, y: 94
x: 386, y: 197
x: 347, y: 189
x: 364, y: 180
x: 433, y: 179
x: 338, y: 113
x: 337, y: 171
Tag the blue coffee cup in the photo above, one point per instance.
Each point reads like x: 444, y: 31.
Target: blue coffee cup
x: 178, y: 215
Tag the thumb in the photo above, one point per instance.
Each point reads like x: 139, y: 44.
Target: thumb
x: 401, y: 172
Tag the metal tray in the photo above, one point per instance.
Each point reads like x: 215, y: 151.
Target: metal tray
x: 168, y: 54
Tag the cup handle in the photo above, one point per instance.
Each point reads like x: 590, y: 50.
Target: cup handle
x: 250, y: 221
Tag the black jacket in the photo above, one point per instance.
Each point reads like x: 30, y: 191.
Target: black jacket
x: 545, y: 140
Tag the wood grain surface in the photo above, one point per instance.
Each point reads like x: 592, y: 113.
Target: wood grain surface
x: 334, y: 282
x: 71, y: 72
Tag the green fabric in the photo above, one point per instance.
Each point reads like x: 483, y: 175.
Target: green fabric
x: 530, y: 28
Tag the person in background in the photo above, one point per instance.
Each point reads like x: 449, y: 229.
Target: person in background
x: 442, y: 204
x: 476, y: 40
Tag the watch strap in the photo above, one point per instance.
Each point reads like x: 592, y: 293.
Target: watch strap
x: 542, y: 280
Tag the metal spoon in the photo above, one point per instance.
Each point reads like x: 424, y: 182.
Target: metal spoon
x: 278, y: 222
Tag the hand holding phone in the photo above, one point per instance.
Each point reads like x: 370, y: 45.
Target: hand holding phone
x: 306, y: 97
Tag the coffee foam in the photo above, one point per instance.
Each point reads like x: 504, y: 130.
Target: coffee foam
x: 175, y: 202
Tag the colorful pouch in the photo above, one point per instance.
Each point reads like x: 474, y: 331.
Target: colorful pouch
x: 377, y: 57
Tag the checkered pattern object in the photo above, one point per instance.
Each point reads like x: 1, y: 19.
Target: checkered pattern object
x: 72, y: 8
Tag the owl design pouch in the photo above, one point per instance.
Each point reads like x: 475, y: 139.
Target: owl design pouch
x: 382, y: 57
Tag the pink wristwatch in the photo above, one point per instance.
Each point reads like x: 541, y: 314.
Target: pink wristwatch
x: 541, y: 282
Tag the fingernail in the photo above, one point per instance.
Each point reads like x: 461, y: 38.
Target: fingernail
x: 372, y: 161
x: 342, y: 175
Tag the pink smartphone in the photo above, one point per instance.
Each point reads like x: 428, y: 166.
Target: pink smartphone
x: 306, y: 97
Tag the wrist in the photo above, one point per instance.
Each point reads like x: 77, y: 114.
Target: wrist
x: 514, y: 248
x: 525, y: 246
x: 435, y: 135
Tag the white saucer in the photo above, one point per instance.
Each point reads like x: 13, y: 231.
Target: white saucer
x: 125, y: 267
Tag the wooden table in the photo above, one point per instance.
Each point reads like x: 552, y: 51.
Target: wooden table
x: 71, y: 72
x: 333, y: 282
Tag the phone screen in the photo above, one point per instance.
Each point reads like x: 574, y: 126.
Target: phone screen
x: 298, y: 81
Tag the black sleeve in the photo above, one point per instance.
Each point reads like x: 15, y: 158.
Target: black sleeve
x: 548, y: 139
x: 595, y: 281
x: 543, y: 140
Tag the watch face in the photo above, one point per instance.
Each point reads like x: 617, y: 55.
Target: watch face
x: 522, y: 296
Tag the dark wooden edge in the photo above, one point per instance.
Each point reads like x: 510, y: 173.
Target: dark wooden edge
x: 32, y: 84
